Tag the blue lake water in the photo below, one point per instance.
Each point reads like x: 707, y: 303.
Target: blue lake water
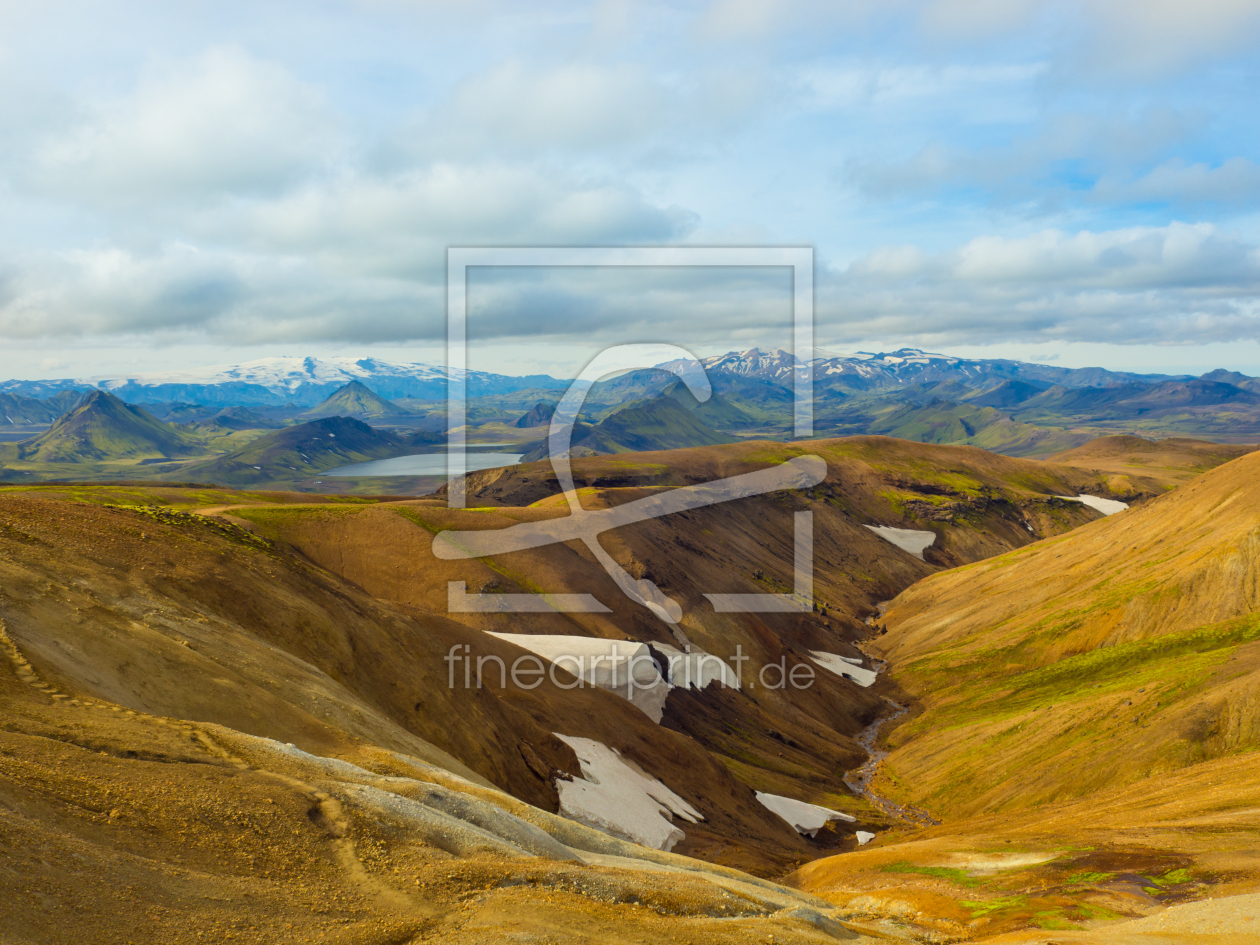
x: 422, y: 464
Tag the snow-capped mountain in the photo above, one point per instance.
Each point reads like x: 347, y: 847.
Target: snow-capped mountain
x: 307, y: 381
x: 776, y: 365
x: 301, y: 381
x: 866, y: 370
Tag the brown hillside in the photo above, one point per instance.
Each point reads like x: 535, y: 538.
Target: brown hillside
x: 1124, y: 649
x: 123, y: 826
x: 976, y: 503
x: 177, y: 615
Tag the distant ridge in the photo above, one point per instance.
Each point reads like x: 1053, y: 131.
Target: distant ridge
x: 17, y: 410
x: 278, y: 381
x: 890, y: 369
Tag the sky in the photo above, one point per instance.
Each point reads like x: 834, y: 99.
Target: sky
x: 184, y: 184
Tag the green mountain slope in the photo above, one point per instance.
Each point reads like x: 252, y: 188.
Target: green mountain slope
x: 356, y: 400
x: 659, y: 424
x: 309, y: 448
x: 16, y: 410
x: 945, y: 422
x: 102, y: 427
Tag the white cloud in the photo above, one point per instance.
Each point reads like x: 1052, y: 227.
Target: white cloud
x: 579, y: 104
x: 304, y: 184
x: 224, y: 122
x: 1129, y: 39
x: 1071, y: 158
x: 1178, y: 284
x: 404, y: 222
x: 1234, y: 182
x: 897, y: 86
x: 360, y: 258
x: 977, y: 19
x: 586, y: 106
x: 1146, y: 38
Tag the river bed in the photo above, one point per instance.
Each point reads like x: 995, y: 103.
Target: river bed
x: 860, y: 780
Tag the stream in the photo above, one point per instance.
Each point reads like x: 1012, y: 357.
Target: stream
x: 859, y: 781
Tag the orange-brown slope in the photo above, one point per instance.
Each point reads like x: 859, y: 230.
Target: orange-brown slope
x: 1133, y: 459
x: 794, y: 742
x: 120, y: 826
x: 176, y: 615
x: 1127, y: 648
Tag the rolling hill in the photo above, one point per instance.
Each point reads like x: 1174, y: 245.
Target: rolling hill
x: 1168, y: 462
x: 972, y: 503
x: 102, y: 427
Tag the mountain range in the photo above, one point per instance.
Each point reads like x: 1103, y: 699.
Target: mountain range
x: 307, y: 381
x: 277, y: 381
x: 1004, y: 406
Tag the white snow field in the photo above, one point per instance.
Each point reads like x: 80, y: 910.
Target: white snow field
x: 845, y: 666
x: 907, y: 539
x: 617, y: 797
x: 1099, y: 504
x: 807, y: 819
x: 696, y: 669
x: 621, y: 666
x: 864, y: 837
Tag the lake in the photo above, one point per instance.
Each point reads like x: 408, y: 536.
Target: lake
x: 422, y: 464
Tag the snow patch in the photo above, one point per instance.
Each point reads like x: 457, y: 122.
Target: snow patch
x: 617, y: 797
x: 696, y: 669
x: 621, y: 666
x: 845, y: 666
x: 1099, y: 504
x: 907, y: 539
x: 864, y: 837
x: 805, y: 818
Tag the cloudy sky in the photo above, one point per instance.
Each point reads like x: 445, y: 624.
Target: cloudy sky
x: 192, y: 183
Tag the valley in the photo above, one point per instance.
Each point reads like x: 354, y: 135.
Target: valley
x: 1018, y: 702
